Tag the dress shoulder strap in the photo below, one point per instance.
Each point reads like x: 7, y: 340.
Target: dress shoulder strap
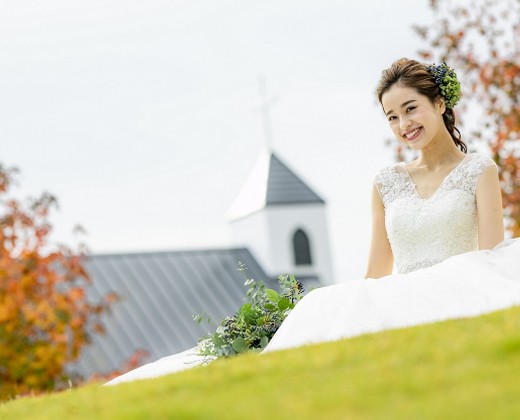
x: 466, y: 175
x: 391, y: 184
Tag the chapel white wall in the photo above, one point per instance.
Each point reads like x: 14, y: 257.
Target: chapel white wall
x: 268, y: 233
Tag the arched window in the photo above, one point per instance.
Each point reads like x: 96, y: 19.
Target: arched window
x: 302, y: 249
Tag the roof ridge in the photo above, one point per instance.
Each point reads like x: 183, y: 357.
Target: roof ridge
x: 166, y: 252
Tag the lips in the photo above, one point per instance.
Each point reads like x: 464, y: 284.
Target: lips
x: 412, y: 134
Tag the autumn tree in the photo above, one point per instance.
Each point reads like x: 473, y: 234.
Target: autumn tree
x: 481, y: 40
x: 45, y: 317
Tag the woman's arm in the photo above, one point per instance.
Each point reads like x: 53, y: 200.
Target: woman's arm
x: 381, y: 259
x: 489, y: 208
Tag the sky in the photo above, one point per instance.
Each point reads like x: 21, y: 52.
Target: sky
x: 142, y: 117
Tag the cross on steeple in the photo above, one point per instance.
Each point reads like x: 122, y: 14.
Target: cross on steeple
x: 265, y: 104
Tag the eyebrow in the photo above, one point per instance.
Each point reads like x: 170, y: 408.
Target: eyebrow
x: 402, y: 105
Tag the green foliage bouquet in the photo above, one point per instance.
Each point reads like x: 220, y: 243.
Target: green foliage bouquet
x: 255, y: 322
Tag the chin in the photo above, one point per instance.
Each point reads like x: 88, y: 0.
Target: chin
x: 415, y: 146
x: 412, y: 146
x: 418, y: 145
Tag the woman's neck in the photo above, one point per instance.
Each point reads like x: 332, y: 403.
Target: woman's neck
x: 439, y: 152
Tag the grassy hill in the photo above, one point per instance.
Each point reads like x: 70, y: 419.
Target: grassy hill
x: 466, y: 368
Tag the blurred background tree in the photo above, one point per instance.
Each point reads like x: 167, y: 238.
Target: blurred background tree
x: 45, y: 317
x: 481, y: 40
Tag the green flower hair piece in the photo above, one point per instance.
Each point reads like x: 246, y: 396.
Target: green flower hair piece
x: 448, y: 83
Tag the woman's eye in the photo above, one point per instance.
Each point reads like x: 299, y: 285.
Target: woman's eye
x: 410, y: 108
x: 391, y: 118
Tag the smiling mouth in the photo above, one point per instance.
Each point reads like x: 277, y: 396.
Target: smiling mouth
x: 412, y: 135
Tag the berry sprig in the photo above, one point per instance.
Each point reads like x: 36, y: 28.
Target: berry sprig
x: 448, y: 83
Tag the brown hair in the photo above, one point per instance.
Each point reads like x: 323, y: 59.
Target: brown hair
x: 415, y: 75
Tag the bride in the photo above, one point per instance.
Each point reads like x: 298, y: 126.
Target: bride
x: 438, y: 219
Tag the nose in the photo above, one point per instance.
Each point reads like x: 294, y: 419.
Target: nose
x: 404, y: 123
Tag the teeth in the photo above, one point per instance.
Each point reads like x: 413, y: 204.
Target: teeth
x: 412, y: 133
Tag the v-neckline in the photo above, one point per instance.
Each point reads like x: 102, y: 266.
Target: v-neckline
x: 440, y: 185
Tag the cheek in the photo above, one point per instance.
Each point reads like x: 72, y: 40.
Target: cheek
x: 395, y: 128
x: 423, y: 116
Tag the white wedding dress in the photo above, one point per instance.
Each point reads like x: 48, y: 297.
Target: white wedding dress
x: 441, y: 274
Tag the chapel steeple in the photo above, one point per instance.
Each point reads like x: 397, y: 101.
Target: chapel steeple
x: 282, y: 220
x: 271, y: 183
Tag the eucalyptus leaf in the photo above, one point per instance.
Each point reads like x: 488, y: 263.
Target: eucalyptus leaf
x: 264, y: 341
x: 239, y: 345
x: 217, y: 340
x: 272, y: 295
x: 228, y: 351
x: 283, y: 303
x: 197, y: 318
x: 249, y: 313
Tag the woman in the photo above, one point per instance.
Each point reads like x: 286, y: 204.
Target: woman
x: 437, y: 218
x: 423, y: 119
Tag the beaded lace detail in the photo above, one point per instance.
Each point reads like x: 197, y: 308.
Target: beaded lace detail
x: 425, y: 231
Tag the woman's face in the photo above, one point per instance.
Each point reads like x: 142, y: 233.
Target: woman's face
x: 412, y: 117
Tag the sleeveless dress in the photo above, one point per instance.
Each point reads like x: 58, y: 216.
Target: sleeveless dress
x: 441, y: 274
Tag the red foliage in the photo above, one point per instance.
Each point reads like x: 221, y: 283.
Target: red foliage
x: 481, y: 40
x: 45, y: 317
x: 133, y: 362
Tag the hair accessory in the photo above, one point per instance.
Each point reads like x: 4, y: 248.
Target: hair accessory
x: 448, y: 83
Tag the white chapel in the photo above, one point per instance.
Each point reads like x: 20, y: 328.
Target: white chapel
x: 283, y: 222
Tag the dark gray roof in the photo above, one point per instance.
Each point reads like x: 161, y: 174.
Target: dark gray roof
x: 285, y: 187
x: 159, y: 292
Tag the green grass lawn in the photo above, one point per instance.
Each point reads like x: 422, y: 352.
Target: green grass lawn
x: 466, y: 368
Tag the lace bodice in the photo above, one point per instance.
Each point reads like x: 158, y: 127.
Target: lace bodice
x: 425, y: 231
